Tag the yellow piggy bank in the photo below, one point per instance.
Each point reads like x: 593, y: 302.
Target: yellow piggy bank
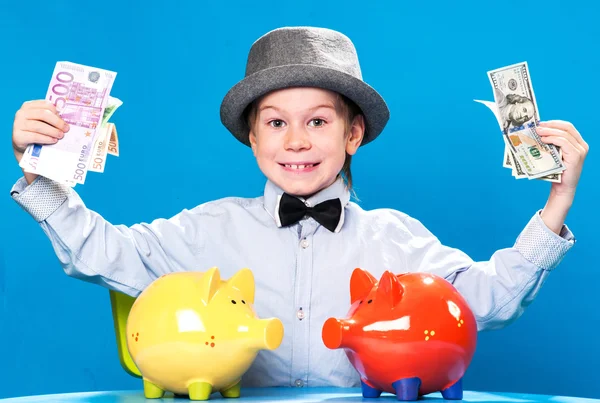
x: 192, y: 333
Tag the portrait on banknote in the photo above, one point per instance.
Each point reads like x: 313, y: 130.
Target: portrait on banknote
x: 515, y: 110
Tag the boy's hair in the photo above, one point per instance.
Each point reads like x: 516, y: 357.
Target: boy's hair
x: 343, y: 105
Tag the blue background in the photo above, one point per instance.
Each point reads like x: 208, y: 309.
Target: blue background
x: 439, y: 159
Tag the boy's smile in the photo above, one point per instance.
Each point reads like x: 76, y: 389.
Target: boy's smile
x: 299, y: 167
x: 300, y: 138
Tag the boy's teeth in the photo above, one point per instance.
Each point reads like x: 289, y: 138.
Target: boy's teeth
x: 299, y: 166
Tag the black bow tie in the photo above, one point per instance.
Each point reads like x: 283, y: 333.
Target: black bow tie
x: 292, y: 209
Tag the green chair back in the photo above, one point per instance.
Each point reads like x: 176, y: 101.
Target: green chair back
x: 121, y: 306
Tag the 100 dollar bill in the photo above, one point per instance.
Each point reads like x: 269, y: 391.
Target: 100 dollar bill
x: 516, y: 110
x: 509, y: 160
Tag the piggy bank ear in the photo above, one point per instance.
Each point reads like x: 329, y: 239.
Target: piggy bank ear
x: 243, y: 280
x: 390, y: 289
x: 361, y: 283
x: 209, y: 284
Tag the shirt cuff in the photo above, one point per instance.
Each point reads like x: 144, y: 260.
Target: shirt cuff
x: 542, y: 246
x: 41, y: 198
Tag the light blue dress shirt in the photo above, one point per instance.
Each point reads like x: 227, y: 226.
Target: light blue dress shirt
x: 302, y: 272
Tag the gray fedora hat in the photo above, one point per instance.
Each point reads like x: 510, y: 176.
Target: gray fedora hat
x: 303, y: 57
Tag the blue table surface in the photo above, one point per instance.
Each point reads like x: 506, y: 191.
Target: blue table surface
x: 290, y: 395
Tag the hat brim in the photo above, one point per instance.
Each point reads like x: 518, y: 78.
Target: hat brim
x: 237, y: 99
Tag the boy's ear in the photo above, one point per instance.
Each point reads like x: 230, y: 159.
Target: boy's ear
x: 356, y: 135
x: 252, y: 138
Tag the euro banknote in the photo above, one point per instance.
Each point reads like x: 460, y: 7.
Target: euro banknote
x: 81, y: 95
x: 107, y: 141
x: 101, y: 148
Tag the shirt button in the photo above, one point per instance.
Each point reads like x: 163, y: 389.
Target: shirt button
x: 300, y: 314
x: 299, y: 383
x: 304, y: 243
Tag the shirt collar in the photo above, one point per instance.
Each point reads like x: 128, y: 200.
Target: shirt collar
x: 338, y: 189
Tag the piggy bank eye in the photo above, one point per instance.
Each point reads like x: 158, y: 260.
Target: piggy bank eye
x: 243, y: 302
x: 369, y: 301
x: 233, y: 302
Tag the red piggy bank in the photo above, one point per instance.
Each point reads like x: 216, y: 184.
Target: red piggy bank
x: 409, y: 334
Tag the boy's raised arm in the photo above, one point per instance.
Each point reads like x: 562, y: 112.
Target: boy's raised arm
x: 499, y: 289
x: 119, y: 257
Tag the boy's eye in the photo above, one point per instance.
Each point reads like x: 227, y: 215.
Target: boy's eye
x: 317, y: 122
x: 277, y: 123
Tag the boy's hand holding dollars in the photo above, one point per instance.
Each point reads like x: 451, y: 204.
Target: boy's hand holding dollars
x: 552, y: 150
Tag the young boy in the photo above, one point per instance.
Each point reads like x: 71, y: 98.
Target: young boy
x: 304, y: 110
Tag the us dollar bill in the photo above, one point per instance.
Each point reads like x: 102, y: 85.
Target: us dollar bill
x: 509, y: 160
x: 517, y: 113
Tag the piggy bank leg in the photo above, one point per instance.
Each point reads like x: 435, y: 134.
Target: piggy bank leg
x: 407, y: 388
x: 454, y: 392
x: 232, y: 391
x: 199, y: 390
x: 368, y: 391
x: 151, y: 391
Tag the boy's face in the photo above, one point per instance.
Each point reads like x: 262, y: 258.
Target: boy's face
x: 300, y: 139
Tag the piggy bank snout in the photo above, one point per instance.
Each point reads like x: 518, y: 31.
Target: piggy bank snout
x: 273, y: 333
x: 332, y: 333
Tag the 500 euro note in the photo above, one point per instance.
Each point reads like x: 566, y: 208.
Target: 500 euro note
x: 80, y: 93
x: 516, y: 110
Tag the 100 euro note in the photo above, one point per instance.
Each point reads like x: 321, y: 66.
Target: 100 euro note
x: 517, y: 113
x: 80, y: 94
